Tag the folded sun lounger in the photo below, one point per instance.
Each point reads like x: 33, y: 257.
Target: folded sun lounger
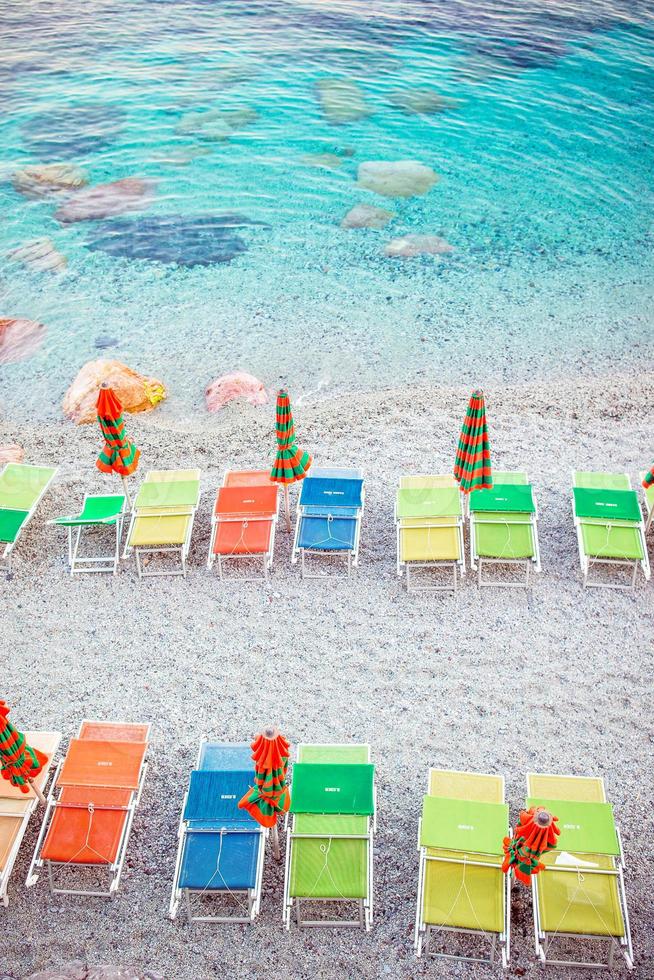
x: 221, y: 848
x: 429, y: 528
x: 329, y: 520
x: 162, y: 517
x: 610, y: 527
x: 99, y: 511
x: 90, y: 809
x: 504, y: 527
x: 579, y: 899
x: 16, y: 808
x: 243, y: 524
x: 329, y: 837
x: 461, y: 887
x: 21, y: 489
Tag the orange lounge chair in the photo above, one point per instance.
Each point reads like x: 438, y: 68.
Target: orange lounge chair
x: 17, y: 807
x: 91, y: 807
x: 244, y: 520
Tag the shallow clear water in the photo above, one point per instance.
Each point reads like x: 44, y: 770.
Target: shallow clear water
x: 543, y: 149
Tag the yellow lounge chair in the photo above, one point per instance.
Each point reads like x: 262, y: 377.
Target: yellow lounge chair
x: 429, y: 529
x: 162, y: 518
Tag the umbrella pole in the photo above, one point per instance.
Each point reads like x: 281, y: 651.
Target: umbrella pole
x: 37, y: 792
x: 274, y: 840
x: 129, y: 502
x: 288, y: 508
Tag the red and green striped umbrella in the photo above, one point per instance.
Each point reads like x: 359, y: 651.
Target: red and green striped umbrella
x: 19, y: 763
x: 118, y: 455
x: 648, y: 479
x: 472, y: 466
x: 291, y: 463
x: 270, y: 795
x: 535, y: 835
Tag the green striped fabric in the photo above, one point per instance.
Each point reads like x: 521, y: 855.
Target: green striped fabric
x: 472, y: 465
x: 18, y: 761
x: 118, y: 455
x: 291, y: 463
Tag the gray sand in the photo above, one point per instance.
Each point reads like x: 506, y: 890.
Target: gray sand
x: 499, y: 681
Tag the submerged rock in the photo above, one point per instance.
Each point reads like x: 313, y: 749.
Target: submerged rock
x: 41, y: 180
x: 72, y: 132
x: 366, y: 216
x: 401, y: 178
x: 11, y: 453
x: 408, y: 246
x: 341, y: 100
x: 106, y: 200
x: 39, y: 254
x: 238, y: 384
x: 19, y: 339
x: 178, y: 239
x: 420, y: 101
x: 331, y: 161
x: 135, y: 392
x: 216, y: 124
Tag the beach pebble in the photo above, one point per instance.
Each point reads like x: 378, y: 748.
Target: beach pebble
x: 238, y: 384
x: 366, y: 216
x: 68, y: 971
x: 19, y: 339
x: 399, y: 178
x: 104, y: 340
x: 341, y: 100
x: 408, y: 246
x: 135, y: 392
x: 419, y: 101
x: 39, y: 254
x: 106, y: 200
x: 41, y: 180
x: 11, y: 453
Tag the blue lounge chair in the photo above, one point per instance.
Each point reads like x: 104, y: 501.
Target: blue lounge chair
x: 329, y: 520
x: 221, y: 848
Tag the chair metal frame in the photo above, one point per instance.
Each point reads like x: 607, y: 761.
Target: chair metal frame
x: 364, y: 919
x: 113, y: 868
x: 97, y: 563
x: 252, y: 895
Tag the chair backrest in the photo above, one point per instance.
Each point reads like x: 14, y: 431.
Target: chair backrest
x: 225, y: 756
x: 21, y: 485
x: 320, y: 787
x: 509, y: 477
x: 465, y: 825
x: 483, y: 787
x: 427, y: 481
x: 331, y: 494
x: 247, y: 501
x: 247, y: 478
x: 168, y: 488
x: 214, y: 795
x: 589, y: 789
x: 338, y: 753
x: 428, y: 502
x: 114, y: 731
x: 103, y: 763
x: 593, y: 480
x: 336, y: 473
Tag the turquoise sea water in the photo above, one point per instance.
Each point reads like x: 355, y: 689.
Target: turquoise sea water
x: 543, y: 148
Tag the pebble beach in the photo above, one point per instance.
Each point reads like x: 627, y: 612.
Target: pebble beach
x: 556, y: 679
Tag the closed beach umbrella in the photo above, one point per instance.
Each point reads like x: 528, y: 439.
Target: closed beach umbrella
x: 19, y: 762
x: 472, y: 466
x: 118, y: 455
x: 535, y: 835
x: 269, y: 796
x: 291, y: 462
x: 648, y: 479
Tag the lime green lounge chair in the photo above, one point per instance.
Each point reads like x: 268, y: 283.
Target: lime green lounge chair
x: 504, y: 528
x: 162, y: 518
x: 461, y: 887
x: 579, y: 899
x: 329, y: 836
x: 21, y: 489
x: 610, y: 527
x: 648, y: 499
x: 429, y: 529
x: 98, y: 511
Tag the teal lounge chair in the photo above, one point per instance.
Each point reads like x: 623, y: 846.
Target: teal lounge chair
x: 329, y: 837
x: 504, y: 527
x: 98, y: 511
x: 21, y: 489
x: 610, y: 527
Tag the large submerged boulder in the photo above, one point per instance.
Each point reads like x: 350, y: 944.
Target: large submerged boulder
x: 106, y: 200
x: 44, y: 179
x: 399, y: 178
x: 174, y: 239
x: 366, y: 216
x: 40, y: 254
x: 408, y: 246
x: 341, y: 100
x: 238, y: 384
x: 19, y: 338
x: 135, y: 392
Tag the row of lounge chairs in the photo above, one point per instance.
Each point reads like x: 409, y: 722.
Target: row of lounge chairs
x: 463, y: 897
x: 430, y: 519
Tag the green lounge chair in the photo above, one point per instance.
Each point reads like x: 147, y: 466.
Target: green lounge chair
x: 580, y: 896
x: 98, y: 511
x: 162, y: 518
x: 429, y: 529
x: 21, y: 489
x: 329, y: 837
x: 504, y: 527
x: 461, y: 887
x: 610, y: 527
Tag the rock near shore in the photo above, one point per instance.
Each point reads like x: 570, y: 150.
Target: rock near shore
x: 19, y: 338
x: 399, y: 178
x: 44, y: 179
x: 238, y: 384
x: 366, y: 216
x: 408, y: 246
x: 341, y: 100
x: 135, y: 392
x: 40, y: 255
x: 106, y: 200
